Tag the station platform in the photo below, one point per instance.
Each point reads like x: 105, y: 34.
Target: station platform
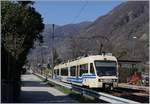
x: 125, y: 85
x: 34, y: 90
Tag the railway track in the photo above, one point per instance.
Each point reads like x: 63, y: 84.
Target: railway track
x: 118, y: 95
x: 132, y: 94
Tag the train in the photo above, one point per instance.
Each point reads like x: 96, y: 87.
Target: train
x: 93, y: 71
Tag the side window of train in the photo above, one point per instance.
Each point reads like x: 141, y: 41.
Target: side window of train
x: 91, y: 68
x: 83, y: 69
x: 64, y: 72
x: 57, y: 71
x: 73, y: 71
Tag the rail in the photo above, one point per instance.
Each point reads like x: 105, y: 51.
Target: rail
x: 90, y: 92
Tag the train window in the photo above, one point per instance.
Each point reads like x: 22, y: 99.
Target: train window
x: 57, y: 71
x: 64, y: 72
x: 91, y: 68
x: 73, y: 71
x: 54, y: 71
x: 83, y: 69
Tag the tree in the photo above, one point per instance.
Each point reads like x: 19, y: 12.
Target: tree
x: 20, y: 27
x: 25, y: 3
x: 57, y: 59
x: 76, y: 47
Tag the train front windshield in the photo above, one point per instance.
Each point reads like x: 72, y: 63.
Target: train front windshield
x: 106, y: 68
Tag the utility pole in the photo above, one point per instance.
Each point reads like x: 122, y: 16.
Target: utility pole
x: 101, y: 47
x: 52, y: 61
x: 133, y: 43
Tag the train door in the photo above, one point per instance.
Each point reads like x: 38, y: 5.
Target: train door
x: 57, y: 72
x: 68, y: 71
x: 88, y: 68
x: 55, y: 75
x: 78, y: 71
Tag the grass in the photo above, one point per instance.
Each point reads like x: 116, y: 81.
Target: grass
x: 77, y: 96
x: 74, y: 95
x: 64, y: 90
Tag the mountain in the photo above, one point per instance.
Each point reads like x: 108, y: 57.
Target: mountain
x: 124, y: 31
x: 127, y: 29
x: 61, y: 33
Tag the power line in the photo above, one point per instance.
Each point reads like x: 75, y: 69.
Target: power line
x: 74, y: 19
x: 77, y: 16
x: 81, y: 37
x: 79, y: 13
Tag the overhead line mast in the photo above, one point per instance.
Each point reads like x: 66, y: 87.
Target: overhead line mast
x: 52, y: 60
x: 79, y: 13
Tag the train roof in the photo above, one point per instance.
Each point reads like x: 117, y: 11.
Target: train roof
x: 84, y: 60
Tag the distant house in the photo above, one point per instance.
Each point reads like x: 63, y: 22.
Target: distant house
x: 132, y: 64
x: 129, y: 63
x: 126, y: 69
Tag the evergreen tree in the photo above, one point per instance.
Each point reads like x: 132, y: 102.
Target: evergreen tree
x: 57, y: 59
x: 21, y: 25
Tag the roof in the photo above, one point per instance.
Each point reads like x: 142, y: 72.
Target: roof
x: 129, y: 61
x: 88, y: 59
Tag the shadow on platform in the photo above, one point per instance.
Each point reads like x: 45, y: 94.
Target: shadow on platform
x: 34, y: 84
x: 43, y: 97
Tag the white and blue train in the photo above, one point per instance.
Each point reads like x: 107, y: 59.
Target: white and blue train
x: 95, y: 71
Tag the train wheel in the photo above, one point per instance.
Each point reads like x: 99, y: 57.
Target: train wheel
x: 103, y: 87
x: 85, y: 86
x: 107, y: 87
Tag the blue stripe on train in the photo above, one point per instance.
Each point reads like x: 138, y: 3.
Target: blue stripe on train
x: 77, y: 81
x: 80, y: 79
x: 89, y: 76
x: 57, y: 77
x: 83, y: 76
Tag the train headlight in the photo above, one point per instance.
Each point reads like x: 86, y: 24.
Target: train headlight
x: 100, y: 80
x: 115, y: 80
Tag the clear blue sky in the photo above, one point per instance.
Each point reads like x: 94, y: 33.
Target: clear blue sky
x: 66, y: 12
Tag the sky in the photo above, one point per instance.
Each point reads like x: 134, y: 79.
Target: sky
x: 71, y: 12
